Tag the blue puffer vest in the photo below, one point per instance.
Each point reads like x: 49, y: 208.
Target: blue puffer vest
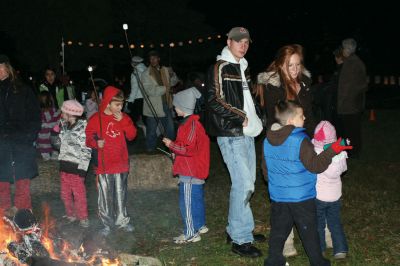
x: 288, y: 179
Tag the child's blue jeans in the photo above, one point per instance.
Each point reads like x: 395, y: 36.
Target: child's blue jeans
x: 329, y: 213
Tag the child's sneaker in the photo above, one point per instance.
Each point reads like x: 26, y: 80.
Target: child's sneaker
x: 105, y: 231
x: 340, y: 255
x: 203, y: 229
x: 183, y: 240
x: 84, y: 223
x: 69, y: 219
x: 127, y: 228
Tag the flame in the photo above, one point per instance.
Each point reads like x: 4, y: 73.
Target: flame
x: 110, y: 262
x: 66, y: 252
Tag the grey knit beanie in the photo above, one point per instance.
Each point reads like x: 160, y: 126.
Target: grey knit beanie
x: 186, y: 100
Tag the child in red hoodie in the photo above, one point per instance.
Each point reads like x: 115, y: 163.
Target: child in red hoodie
x: 192, y: 160
x: 107, y: 131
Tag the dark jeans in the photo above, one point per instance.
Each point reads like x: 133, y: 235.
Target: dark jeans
x: 167, y: 125
x: 136, y: 109
x: 303, y: 215
x: 329, y: 213
x: 349, y: 126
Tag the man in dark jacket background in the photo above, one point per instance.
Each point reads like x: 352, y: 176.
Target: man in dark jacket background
x: 19, y: 126
x: 232, y: 118
x: 351, y: 96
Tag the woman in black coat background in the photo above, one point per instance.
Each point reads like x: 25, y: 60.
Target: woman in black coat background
x: 19, y: 126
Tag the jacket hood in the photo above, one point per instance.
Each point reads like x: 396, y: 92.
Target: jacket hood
x: 278, y: 134
x: 227, y: 55
x: 109, y: 93
x: 273, y: 77
x: 324, y: 133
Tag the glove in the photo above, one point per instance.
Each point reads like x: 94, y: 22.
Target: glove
x: 337, y: 147
x: 326, y: 146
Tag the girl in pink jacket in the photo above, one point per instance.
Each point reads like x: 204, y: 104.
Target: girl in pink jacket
x: 329, y: 192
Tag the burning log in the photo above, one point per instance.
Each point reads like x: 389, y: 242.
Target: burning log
x: 28, y: 233
x: 7, y: 261
x: 44, y: 261
x: 23, y: 251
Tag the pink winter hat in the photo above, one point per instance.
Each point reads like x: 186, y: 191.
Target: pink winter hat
x: 72, y: 107
x: 324, y: 133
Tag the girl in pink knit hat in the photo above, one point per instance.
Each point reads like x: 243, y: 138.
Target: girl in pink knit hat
x: 329, y: 192
x: 74, y: 162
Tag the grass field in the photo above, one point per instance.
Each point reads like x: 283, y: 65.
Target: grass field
x: 371, y: 209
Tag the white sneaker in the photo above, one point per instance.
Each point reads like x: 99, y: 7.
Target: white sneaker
x: 183, y: 240
x: 127, y: 228
x: 340, y: 255
x: 84, y: 223
x: 69, y: 219
x: 105, y: 231
x: 203, y: 229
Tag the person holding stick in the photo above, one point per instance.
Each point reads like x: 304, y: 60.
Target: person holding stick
x: 107, y: 132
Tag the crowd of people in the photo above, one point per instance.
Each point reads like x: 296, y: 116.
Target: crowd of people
x: 302, y: 157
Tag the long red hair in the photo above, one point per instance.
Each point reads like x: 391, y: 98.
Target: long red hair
x: 281, y: 66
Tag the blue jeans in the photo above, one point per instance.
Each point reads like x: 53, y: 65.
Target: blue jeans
x: 329, y: 213
x: 151, y: 128
x: 240, y: 158
x: 191, y: 204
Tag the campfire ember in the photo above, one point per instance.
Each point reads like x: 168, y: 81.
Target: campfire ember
x: 22, y: 242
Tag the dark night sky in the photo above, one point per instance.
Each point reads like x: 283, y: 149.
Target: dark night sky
x: 318, y: 26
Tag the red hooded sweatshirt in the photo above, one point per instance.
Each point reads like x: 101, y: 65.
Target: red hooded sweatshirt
x: 113, y: 158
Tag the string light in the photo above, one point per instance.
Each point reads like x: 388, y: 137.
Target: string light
x: 172, y: 44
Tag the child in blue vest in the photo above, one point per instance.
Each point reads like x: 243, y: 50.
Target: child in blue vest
x: 292, y: 166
